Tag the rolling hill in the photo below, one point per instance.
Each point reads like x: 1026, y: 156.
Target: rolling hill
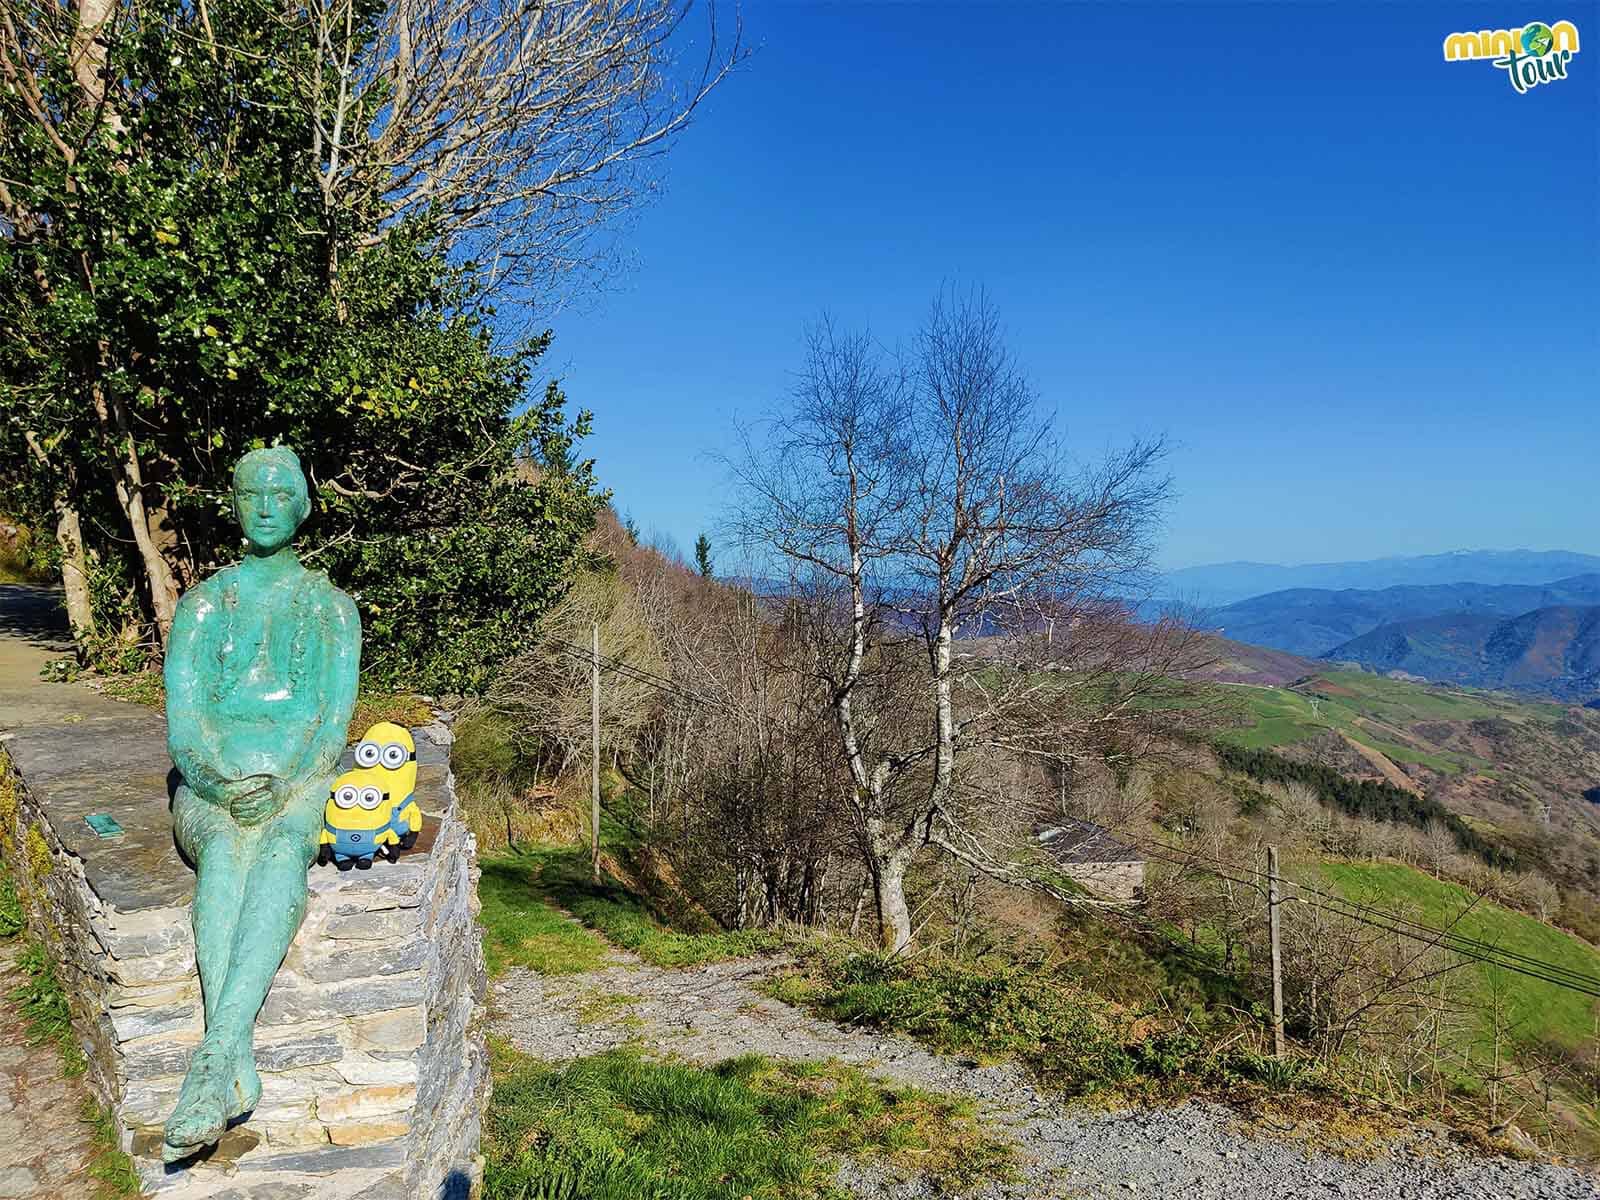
x: 1522, y: 769
x: 1314, y: 621
x: 1551, y: 651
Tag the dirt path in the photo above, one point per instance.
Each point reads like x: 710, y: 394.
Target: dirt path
x: 1196, y: 1151
x: 45, y: 1147
x: 1384, y: 765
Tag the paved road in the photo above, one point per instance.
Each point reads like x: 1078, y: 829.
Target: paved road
x: 33, y: 630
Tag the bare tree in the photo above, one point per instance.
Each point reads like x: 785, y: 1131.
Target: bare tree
x: 545, y: 690
x: 925, y: 500
x: 522, y: 127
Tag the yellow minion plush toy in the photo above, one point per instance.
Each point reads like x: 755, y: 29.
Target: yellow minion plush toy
x: 373, y: 807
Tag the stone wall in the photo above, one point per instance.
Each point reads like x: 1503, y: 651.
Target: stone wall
x: 370, y: 1046
x: 1113, y: 880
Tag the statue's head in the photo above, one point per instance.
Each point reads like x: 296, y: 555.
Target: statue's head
x: 270, y: 497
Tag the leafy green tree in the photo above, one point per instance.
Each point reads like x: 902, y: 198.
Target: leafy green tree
x: 175, y: 289
x: 702, y: 555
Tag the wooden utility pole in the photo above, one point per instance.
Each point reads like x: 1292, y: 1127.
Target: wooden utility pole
x: 1277, y: 951
x: 594, y: 756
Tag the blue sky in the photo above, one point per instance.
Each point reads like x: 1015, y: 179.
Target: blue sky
x: 1355, y: 285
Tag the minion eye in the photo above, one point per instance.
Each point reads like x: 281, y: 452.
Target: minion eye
x: 347, y: 796
x: 367, y: 754
x: 371, y: 797
x: 395, y: 756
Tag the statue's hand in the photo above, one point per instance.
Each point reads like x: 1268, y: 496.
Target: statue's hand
x: 255, y: 799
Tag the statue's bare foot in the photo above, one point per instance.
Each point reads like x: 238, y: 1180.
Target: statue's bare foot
x: 201, y: 1114
x: 246, y: 1090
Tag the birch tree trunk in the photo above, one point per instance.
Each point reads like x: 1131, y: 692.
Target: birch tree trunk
x: 894, y: 915
x: 74, y: 569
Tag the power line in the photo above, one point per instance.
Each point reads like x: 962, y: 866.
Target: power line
x: 639, y: 674
x: 1343, y: 901
x: 1460, y: 944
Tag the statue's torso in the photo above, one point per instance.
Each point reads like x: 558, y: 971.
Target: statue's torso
x: 259, y: 659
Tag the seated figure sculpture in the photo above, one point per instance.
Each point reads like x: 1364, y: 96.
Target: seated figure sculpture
x: 261, y: 681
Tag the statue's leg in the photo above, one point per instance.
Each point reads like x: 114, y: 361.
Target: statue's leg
x: 277, y: 889
x: 212, y: 839
x: 219, y: 850
x: 266, y: 884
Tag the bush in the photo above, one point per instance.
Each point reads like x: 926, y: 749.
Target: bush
x: 990, y: 1007
x: 1071, y: 1037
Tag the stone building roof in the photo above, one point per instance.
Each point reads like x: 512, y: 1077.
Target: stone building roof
x: 1074, y: 842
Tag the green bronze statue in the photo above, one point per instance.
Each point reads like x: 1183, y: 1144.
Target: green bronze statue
x: 261, y: 680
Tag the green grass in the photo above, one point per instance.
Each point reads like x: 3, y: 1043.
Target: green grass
x: 42, y: 1001
x: 521, y: 929
x: 110, y: 1168
x: 1282, y: 716
x: 526, y: 891
x: 1536, y: 1009
x: 12, y: 920
x: 617, y: 1126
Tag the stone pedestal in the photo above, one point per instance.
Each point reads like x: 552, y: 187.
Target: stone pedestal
x: 370, y: 1045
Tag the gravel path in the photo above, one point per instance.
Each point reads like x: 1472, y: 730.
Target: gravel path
x: 1194, y: 1152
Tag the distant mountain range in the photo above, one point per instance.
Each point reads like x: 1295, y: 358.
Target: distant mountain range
x: 1518, y: 619
x: 1225, y: 583
x: 1553, y: 651
x: 1313, y: 621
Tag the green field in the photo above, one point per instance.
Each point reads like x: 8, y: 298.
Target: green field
x: 1348, y: 702
x: 1536, y: 1009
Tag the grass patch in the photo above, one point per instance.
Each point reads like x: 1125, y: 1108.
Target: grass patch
x: 1537, y: 1010
x: 139, y: 687
x: 521, y: 929
x: 12, y: 919
x: 400, y: 707
x: 1349, y: 701
x: 21, y: 561
x: 42, y: 1002
x: 558, y: 878
x: 617, y: 1126
x: 110, y: 1168
x: 597, y: 1004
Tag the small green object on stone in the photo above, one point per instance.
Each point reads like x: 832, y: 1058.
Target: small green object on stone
x: 104, y: 824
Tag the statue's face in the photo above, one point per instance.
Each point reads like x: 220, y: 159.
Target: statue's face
x: 270, y: 500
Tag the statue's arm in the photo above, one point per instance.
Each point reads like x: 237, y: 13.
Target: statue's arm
x: 188, y: 739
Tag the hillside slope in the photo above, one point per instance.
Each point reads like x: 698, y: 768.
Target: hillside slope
x: 1519, y: 769
x: 1550, y: 651
x: 1313, y: 621
x: 1534, y: 1008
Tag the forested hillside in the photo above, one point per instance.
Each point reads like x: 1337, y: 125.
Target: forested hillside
x: 1551, y: 652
